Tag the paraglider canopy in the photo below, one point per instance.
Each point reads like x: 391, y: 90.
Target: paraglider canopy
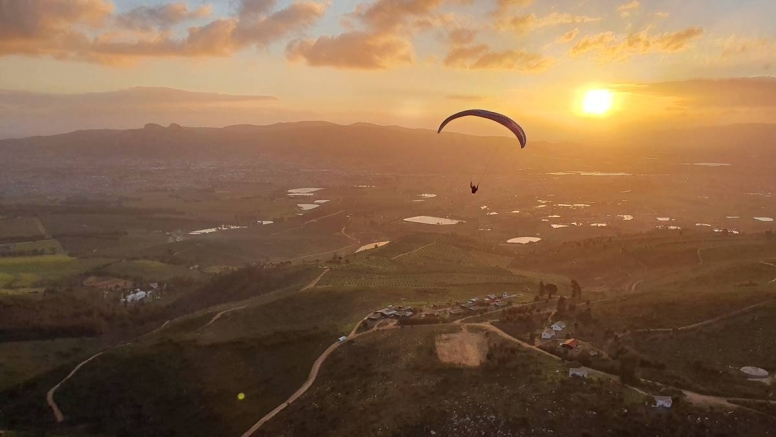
x: 490, y: 115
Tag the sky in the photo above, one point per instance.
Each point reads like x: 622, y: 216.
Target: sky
x: 71, y: 64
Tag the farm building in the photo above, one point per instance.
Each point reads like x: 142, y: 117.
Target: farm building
x: 387, y: 312
x: 548, y: 333
x: 579, y: 371
x: 558, y: 326
x: 754, y: 372
x: 342, y: 339
x: 663, y: 401
x: 501, y: 303
x: 375, y: 316
x: 571, y: 343
x: 456, y: 312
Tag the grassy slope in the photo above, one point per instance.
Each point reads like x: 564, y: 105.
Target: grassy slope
x: 391, y: 383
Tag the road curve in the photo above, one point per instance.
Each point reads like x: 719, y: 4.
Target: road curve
x: 313, y: 375
x: 50, y: 394
x: 315, y: 281
x: 218, y: 316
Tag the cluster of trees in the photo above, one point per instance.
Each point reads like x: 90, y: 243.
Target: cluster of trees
x: 547, y: 289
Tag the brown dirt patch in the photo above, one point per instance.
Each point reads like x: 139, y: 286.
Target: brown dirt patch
x: 463, y: 348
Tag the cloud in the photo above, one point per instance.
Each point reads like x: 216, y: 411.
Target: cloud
x: 262, y: 30
x: 525, y: 23
x: 383, y: 15
x: 460, y: 37
x: 568, y: 36
x: 626, y: 8
x: 736, y: 46
x: 352, y: 50
x: 31, y: 21
x: 380, y: 37
x: 503, y: 6
x: 56, y: 28
x: 480, y: 57
x: 610, y: 47
x: 466, y: 97
x: 164, y: 16
x: 757, y: 92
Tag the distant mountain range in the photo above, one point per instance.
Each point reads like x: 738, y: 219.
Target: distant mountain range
x: 386, y: 148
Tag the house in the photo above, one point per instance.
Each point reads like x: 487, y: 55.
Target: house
x: 571, y: 343
x: 501, y: 303
x: 343, y: 339
x: 548, y: 333
x: 558, y: 326
x: 505, y: 295
x: 154, y: 285
x: 375, y: 316
x: 579, y: 371
x: 663, y: 401
x: 492, y: 296
x: 387, y: 312
x: 456, y: 312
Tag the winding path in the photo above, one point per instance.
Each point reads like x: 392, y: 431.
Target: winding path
x: 50, y: 394
x: 313, y: 375
x: 315, y: 281
x: 413, y: 251
x: 772, y: 265
x: 218, y: 316
x: 709, y: 321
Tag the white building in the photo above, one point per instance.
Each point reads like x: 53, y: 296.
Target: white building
x: 558, y: 326
x: 663, y: 401
x: 342, y: 339
x: 548, y: 333
x: 579, y: 371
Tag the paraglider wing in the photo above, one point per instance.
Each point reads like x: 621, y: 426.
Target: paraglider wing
x: 490, y: 115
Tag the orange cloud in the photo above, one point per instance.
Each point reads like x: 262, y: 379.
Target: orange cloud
x: 383, y: 43
x: 149, y: 17
x: 354, y: 50
x: 52, y: 27
x: 459, y: 37
x: 609, y: 47
x: 626, y: 9
x: 757, y: 92
x: 525, y: 23
x: 480, y: 57
x: 568, y: 36
x: 466, y: 97
x: 503, y: 6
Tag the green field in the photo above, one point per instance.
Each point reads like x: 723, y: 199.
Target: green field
x: 148, y: 270
x: 26, y: 272
x: 28, y: 248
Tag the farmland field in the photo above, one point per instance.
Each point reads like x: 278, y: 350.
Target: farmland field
x: 343, y: 278
x: 147, y: 270
x: 21, y: 272
x: 27, y: 248
x: 676, y: 308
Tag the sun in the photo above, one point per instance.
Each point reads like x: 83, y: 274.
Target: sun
x: 597, y: 102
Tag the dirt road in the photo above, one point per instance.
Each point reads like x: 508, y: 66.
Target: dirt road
x: 218, y: 316
x: 315, y: 281
x: 708, y: 322
x: 50, y: 395
x: 772, y: 265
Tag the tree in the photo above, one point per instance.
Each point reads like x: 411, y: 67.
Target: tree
x: 551, y: 289
x: 576, y: 289
x: 561, y: 304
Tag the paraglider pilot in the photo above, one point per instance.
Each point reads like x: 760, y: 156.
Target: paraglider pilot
x: 474, y: 187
